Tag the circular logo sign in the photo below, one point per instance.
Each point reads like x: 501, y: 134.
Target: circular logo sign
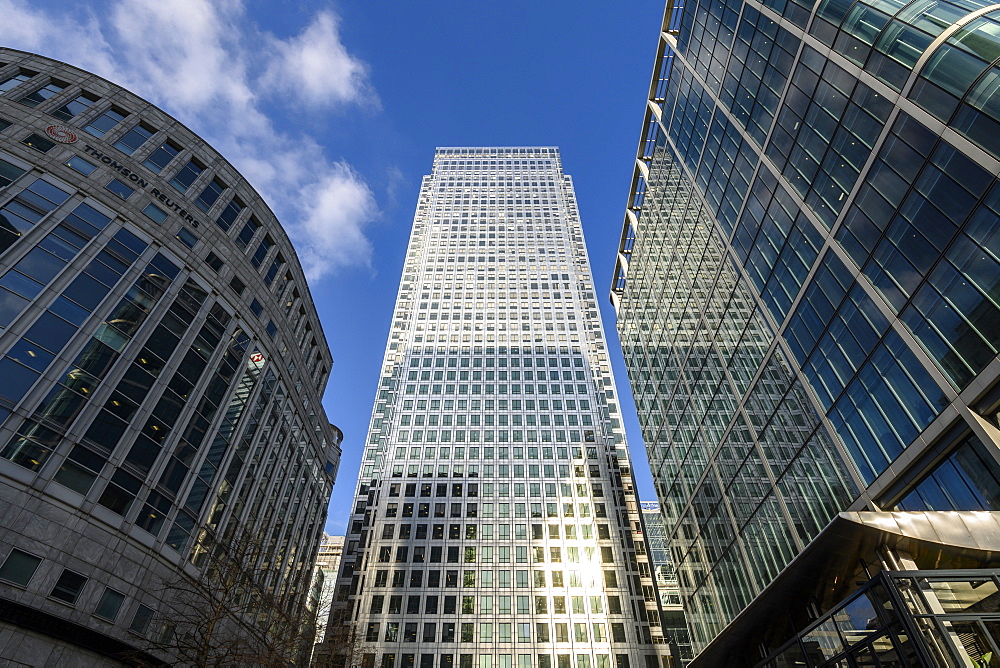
x: 61, y: 134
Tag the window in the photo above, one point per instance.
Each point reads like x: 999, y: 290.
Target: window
x: 213, y: 261
x: 186, y: 176
x: 261, y: 252
x: 229, y: 214
x: 109, y: 119
x: 134, y: 138
x: 45, y: 92
x: 187, y: 237
x: 162, y: 156
x: 155, y: 213
x: 68, y: 587
x: 9, y: 173
x: 79, y: 469
x: 14, y: 81
x: 256, y: 307
x: 237, y: 285
x: 80, y: 165
x: 80, y: 104
x: 273, y: 269
x: 246, y: 234
x: 141, y: 619
x: 119, y: 188
x: 110, y: 603
x: 210, y: 194
x: 38, y: 143
x: 18, y: 567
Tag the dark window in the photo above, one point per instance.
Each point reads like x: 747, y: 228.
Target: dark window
x: 79, y: 164
x: 162, y: 156
x: 246, y: 234
x: 155, y: 213
x: 187, y: 237
x: 210, y: 194
x: 229, y: 214
x: 273, y: 269
x: 256, y: 307
x: 12, y: 82
x: 110, y: 603
x: 38, y: 143
x: 109, y: 119
x: 186, y: 176
x: 18, y: 567
x: 119, y: 188
x: 134, y: 138
x: 141, y: 619
x: 35, y: 98
x: 272, y: 330
x: 81, y: 103
x: 261, y: 252
x: 120, y: 492
x: 213, y: 261
x: 237, y: 285
x: 68, y: 587
x: 8, y: 173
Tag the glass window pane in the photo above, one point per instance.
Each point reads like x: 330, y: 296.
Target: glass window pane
x: 18, y: 567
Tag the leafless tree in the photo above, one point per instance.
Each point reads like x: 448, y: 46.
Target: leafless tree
x: 344, y: 645
x: 232, y: 613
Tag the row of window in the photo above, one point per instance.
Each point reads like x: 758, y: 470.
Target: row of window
x: 503, y: 510
x: 502, y: 388
x: 504, y: 605
x: 485, y: 531
x: 523, y: 579
x: 437, y: 554
x: 500, y: 632
x: 129, y: 143
x: 389, y: 660
x: 503, y: 489
x: 502, y: 436
x: 19, y: 567
x: 502, y: 452
x: 493, y: 375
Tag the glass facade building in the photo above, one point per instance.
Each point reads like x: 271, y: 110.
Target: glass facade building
x: 162, y: 369
x: 807, y: 299
x: 495, y: 522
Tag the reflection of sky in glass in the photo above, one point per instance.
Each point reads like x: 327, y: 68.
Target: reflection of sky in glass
x: 857, y: 619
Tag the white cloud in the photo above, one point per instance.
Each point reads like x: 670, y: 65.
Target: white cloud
x: 316, y: 68
x: 331, y: 224
x: 202, y: 61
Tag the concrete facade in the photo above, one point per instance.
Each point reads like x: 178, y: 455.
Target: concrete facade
x: 163, y: 369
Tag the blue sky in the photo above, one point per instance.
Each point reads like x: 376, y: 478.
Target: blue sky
x: 333, y: 111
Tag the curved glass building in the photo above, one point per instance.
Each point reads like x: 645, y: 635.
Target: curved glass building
x: 807, y: 297
x: 162, y: 369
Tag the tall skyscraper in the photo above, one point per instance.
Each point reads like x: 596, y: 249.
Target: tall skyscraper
x: 162, y: 368
x: 496, y: 523
x: 807, y: 298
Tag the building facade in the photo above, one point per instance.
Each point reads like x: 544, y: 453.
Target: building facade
x: 324, y: 583
x: 675, y: 631
x: 806, y: 291
x: 162, y: 373
x: 495, y: 522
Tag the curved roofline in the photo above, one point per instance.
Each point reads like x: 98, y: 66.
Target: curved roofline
x: 222, y: 158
